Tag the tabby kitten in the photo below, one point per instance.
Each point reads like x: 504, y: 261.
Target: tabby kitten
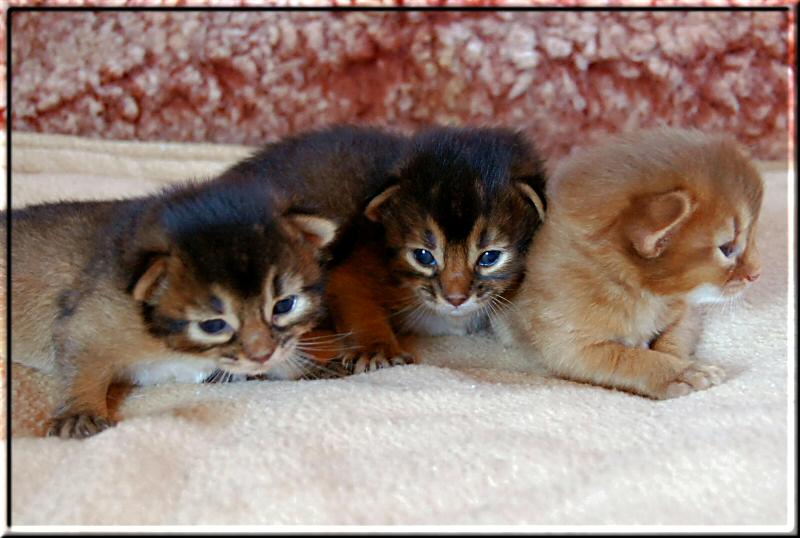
x: 331, y: 172
x: 454, y: 227
x: 171, y: 286
x: 639, y: 230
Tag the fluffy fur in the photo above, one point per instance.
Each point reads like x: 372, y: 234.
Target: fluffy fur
x: 455, y: 225
x: 332, y: 172
x: 254, y: 76
x: 172, y: 286
x: 638, y: 230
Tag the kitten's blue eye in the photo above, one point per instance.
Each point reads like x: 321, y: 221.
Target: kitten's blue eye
x: 727, y: 249
x: 213, y: 326
x: 424, y: 257
x: 285, y: 305
x: 489, y: 258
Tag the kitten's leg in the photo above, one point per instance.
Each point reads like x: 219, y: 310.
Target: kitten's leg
x: 356, y: 309
x: 680, y: 340
x: 643, y: 371
x: 84, y: 411
x: 375, y: 343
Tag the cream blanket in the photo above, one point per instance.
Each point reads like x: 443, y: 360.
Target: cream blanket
x: 473, y: 435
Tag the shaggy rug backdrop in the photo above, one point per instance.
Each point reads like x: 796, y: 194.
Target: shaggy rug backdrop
x: 250, y: 77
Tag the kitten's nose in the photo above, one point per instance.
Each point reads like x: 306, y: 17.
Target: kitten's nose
x: 752, y: 277
x: 262, y: 357
x: 456, y: 299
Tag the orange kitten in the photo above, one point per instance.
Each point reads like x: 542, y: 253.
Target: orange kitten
x: 638, y: 230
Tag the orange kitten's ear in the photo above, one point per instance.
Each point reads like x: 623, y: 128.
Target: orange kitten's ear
x: 656, y: 220
x: 528, y: 192
x: 373, y: 208
x: 150, y: 279
x: 318, y: 231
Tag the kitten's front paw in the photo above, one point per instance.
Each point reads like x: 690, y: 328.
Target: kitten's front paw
x: 77, y: 426
x: 374, y: 358
x: 695, y: 377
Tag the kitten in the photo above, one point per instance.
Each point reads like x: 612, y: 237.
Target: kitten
x: 454, y: 226
x: 332, y: 172
x: 164, y: 287
x: 639, y: 230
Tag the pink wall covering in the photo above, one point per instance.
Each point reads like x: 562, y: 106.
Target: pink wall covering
x: 566, y: 78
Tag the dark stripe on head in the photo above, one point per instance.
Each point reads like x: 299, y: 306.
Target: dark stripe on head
x: 159, y: 325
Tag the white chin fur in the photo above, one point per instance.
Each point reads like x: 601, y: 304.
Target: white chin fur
x: 709, y: 294
x: 439, y: 320
x: 278, y: 362
x: 181, y: 368
x: 178, y: 369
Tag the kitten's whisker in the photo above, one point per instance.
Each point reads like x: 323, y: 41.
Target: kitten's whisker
x: 415, y: 316
x: 336, y: 348
x: 329, y: 349
x: 310, y: 362
x: 491, y: 310
x: 214, y: 376
x: 497, y: 308
x: 403, y: 310
x: 507, y: 302
x: 325, y: 337
x: 298, y: 369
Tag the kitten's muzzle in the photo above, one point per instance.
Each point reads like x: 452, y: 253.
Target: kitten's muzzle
x: 257, y: 346
x: 260, y: 358
x: 457, y: 299
x: 752, y: 277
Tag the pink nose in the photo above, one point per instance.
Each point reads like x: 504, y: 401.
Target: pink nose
x: 262, y: 358
x: 752, y: 277
x: 456, y: 299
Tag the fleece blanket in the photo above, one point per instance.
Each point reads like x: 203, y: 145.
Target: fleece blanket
x: 474, y: 434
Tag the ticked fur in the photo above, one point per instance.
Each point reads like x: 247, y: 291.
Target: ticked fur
x: 638, y: 230
x: 454, y: 226
x: 171, y: 286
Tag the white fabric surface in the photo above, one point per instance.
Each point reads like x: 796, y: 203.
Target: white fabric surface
x: 474, y: 435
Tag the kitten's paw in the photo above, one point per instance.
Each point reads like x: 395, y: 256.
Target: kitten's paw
x: 374, y: 359
x: 695, y: 377
x: 77, y: 426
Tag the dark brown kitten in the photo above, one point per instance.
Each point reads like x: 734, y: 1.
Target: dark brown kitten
x: 172, y: 286
x: 332, y: 172
x: 454, y: 228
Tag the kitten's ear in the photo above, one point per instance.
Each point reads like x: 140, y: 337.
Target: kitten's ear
x: 145, y: 287
x: 318, y: 231
x: 659, y: 217
x: 372, y: 211
x: 529, y: 193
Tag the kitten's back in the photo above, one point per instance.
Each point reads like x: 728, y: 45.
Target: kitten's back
x: 332, y: 172
x: 51, y: 244
x: 600, y: 180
